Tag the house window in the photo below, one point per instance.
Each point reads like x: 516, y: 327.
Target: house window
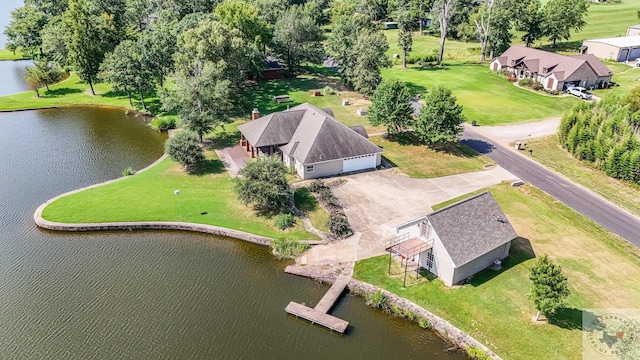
x: 425, y: 230
x: 430, y: 259
x: 309, y: 168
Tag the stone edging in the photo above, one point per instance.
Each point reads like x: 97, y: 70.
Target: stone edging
x: 146, y: 225
x: 328, y: 273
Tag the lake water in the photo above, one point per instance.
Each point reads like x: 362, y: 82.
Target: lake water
x: 12, y: 77
x: 150, y: 295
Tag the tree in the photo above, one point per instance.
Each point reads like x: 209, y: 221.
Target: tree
x: 157, y: 47
x: 562, y: 16
x: 443, y: 10
x: 263, y: 184
x: 482, y: 21
x: 298, y: 39
x: 500, y: 30
x: 549, y: 287
x: 84, y: 41
x: 125, y: 70
x: 23, y: 32
x: 53, y: 41
x: 44, y: 72
x: 405, y: 36
x: 528, y: 20
x: 183, y: 148
x: 390, y: 106
x: 441, y: 118
x: 237, y: 14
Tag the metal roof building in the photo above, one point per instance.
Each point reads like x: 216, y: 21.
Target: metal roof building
x: 622, y: 49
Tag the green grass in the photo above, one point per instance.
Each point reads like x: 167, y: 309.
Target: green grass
x: 428, y: 45
x: 9, y: 55
x: 625, y: 76
x: 608, y: 20
x: 206, y: 198
x: 551, y: 155
x: 420, y: 161
x: 602, y: 271
x: 73, y: 91
x: 486, y: 97
x: 306, y: 202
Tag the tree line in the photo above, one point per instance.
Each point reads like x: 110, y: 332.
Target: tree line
x: 605, y: 134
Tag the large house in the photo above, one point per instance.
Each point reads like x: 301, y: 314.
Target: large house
x: 310, y: 140
x: 622, y: 49
x: 456, y: 241
x: 553, y: 71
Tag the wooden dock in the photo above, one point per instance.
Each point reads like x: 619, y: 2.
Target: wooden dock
x: 318, y: 315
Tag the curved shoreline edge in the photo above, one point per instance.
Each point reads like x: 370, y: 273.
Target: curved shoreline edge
x: 142, y: 225
x: 329, y: 272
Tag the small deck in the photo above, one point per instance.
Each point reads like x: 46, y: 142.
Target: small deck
x: 318, y: 315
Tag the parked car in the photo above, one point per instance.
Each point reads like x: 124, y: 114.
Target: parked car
x: 580, y: 92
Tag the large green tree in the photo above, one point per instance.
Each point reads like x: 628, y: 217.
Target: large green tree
x: 84, y: 39
x: 23, y: 32
x: 298, y: 39
x: 528, y: 20
x: 405, y: 33
x: 390, y: 106
x: 443, y: 9
x: 549, y: 287
x: 183, y: 148
x: 157, y: 48
x: 560, y: 17
x: 237, y: 14
x: 440, y: 120
x: 263, y: 184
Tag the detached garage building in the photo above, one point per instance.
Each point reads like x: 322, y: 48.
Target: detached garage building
x: 311, y: 141
x: 622, y: 49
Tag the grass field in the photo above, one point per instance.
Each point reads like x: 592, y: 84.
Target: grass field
x: 602, y: 272
x: 9, y: 55
x: 486, y: 97
x: 608, y: 20
x: 206, y: 198
x: 306, y: 202
x: 420, y: 161
x: 552, y: 156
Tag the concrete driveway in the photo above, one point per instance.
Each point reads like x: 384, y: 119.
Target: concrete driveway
x: 377, y: 201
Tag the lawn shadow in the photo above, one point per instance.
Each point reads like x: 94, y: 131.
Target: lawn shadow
x: 305, y: 200
x: 458, y: 149
x: 62, y: 92
x: 521, y: 251
x: 224, y: 139
x: 416, y: 88
x: 565, y: 46
x: 571, y: 318
x: 264, y: 91
x: 209, y: 167
x: 480, y: 146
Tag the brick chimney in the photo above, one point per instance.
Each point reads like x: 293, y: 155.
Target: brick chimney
x: 255, y: 114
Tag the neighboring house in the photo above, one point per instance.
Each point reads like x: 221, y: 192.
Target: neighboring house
x: 621, y: 49
x: 457, y: 241
x: 310, y: 140
x: 553, y: 71
x: 274, y: 69
x: 633, y: 30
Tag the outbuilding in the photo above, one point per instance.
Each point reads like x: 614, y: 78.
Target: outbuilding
x: 621, y: 49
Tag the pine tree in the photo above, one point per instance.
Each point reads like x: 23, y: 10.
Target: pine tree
x: 549, y: 287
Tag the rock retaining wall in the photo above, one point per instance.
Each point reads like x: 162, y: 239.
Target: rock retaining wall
x: 329, y: 272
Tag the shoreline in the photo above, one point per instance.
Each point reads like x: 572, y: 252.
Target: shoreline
x: 328, y: 273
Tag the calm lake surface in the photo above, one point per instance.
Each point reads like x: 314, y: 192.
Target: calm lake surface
x: 12, y: 77
x: 150, y: 295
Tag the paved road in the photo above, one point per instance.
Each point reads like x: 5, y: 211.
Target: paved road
x: 586, y: 203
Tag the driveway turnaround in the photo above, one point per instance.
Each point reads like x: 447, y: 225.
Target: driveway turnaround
x: 576, y: 197
x: 377, y: 201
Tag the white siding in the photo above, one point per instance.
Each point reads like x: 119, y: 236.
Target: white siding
x: 473, y: 267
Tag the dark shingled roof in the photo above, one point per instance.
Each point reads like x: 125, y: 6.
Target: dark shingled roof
x: 360, y: 130
x: 472, y: 227
x: 309, y: 135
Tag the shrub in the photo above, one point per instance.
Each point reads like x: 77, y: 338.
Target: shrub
x: 263, y: 184
x: 424, y: 323
x: 338, y: 225
x: 128, y: 171
x: 416, y: 59
x: 525, y: 82
x: 377, y: 299
x: 476, y: 353
x: 504, y: 72
x: 553, y: 92
x: 164, y: 123
x: 316, y: 186
x: 284, y: 221
x: 285, y: 248
x: 328, y: 90
x: 511, y: 78
x: 537, y: 86
x: 185, y: 149
x: 411, y: 315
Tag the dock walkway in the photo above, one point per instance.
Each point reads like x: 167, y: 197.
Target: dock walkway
x: 318, y: 315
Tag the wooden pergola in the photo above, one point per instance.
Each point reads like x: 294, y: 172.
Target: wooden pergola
x: 407, y: 248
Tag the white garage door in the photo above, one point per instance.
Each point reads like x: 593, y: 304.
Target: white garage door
x: 359, y: 163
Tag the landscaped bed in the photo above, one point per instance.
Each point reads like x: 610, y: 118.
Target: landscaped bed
x: 494, y: 307
x: 205, y: 198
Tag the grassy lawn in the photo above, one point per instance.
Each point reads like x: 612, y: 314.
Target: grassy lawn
x: 9, y: 55
x: 608, y: 20
x: 72, y: 91
x: 486, y: 97
x: 551, y: 155
x: 299, y: 90
x: 625, y: 76
x: 306, y: 202
x: 206, y: 198
x: 602, y: 271
x: 420, y: 161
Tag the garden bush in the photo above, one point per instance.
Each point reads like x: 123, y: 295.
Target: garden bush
x: 316, y: 186
x: 339, y: 225
x: 377, y: 300
x: 184, y: 148
x: 164, y: 123
x: 284, y: 221
x: 128, y: 171
x: 537, y: 86
x: 415, y: 59
x: 511, y: 78
x: 285, y: 248
x: 328, y: 90
x: 525, y: 82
